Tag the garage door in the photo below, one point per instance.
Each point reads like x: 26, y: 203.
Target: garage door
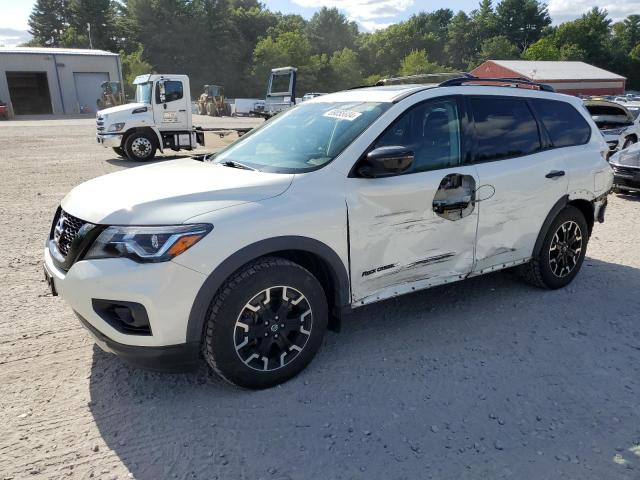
x: 29, y: 92
x: 88, y: 90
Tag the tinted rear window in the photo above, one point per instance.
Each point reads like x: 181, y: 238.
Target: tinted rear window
x: 504, y: 127
x: 563, y: 122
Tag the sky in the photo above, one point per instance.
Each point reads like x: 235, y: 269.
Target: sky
x: 369, y: 14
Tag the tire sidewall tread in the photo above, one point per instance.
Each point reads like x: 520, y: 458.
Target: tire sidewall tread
x: 217, y: 345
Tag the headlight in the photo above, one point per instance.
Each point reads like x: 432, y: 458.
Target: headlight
x: 147, y: 244
x: 116, y: 127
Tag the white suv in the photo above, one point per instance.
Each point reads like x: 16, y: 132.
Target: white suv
x: 247, y: 256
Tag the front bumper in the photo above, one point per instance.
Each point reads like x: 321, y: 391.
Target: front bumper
x: 625, y: 177
x: 109, y: 140
x: 166, y: 290
x: 170, y: 359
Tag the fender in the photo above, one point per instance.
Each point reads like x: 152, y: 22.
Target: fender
x: 337, y: 270
x: 553, y: 213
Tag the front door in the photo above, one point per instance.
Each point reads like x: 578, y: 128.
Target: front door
x: 415, y: 229
x: 170, y: 108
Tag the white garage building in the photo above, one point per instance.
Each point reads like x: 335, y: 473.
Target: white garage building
x: 55, y: 81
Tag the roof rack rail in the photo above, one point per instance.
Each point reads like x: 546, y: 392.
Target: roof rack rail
x: 431, y: 78
x: 511, y: 81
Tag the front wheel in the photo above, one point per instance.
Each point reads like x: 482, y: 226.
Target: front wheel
x: 119, y: 151
x: 140, y: 147
x: 562, y: 251
x: 266, y: 323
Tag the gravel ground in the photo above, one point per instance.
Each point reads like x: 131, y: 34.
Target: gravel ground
x: 488, y: 378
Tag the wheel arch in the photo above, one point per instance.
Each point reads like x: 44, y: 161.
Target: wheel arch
x: 321, y: 260
x: 585, y: 206
x: 154, y: 132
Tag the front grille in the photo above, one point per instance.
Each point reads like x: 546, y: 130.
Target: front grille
x: 100, y: 124
x: 627, y: 171
x: 65, y: 231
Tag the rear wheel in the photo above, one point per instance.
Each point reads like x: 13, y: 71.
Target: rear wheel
x: 119, y: 151
x: 266, y: 323
x: 140, y: 147
x: 562, y: 251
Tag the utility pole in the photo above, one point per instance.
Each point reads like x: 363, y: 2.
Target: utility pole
x: 89, y: 30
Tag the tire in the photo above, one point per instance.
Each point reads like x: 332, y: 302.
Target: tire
x: 628, y: 142
x: 119, y: 151
x: 246, y: 343
x: 551, y: 267
x: 140, y: 147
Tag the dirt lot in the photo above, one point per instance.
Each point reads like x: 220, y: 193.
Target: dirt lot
x: 488, y: 378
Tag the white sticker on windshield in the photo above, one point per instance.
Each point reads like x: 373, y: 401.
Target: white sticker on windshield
x: 342, y: 114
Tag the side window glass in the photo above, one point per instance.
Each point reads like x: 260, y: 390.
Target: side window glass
x: 432, y: 131
x: 504, y: 128
x: 172, y: 91
x: 565, y: 125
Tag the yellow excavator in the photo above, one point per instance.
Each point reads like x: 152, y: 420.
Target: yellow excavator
x: 212, y: 102
x: 111, y: 95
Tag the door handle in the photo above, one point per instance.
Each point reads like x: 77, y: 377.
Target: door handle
x: 555, y: 173
x: 183, y: 110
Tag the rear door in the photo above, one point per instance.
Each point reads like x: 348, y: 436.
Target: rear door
x: 415, y: 229
x: 171, y: 105
x: 520, y: 176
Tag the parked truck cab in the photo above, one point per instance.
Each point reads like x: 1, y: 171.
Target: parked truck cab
x: 159, y: 118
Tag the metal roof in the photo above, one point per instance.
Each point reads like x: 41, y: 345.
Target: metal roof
x: 548, y: 70
x: 57, y: 51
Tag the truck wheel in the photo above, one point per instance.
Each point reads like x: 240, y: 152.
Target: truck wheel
x: 140, y: 147
x: 119, y: 151
x: 266, y: 323
x: 562, y: 252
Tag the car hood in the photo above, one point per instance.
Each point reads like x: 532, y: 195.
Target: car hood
x: 629, y: 157
x: 127, y: 107
x: 169, y: 192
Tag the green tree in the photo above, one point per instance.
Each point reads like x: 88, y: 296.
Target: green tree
x: 329, y: 31
x: 417, y: 62
x: 345, y: 69
x: 93, y: 20
x: 462, y: 45
x: 543, y: 49
x: 522, y: 21
x: 499, y: 48
x: 133, y: 64
x: 48, y: 21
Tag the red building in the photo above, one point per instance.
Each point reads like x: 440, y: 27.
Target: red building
x: 573, y: 78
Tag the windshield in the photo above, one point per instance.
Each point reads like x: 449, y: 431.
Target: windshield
x: 607, y: 116
x: 143, y: 92
x: 304, y: 138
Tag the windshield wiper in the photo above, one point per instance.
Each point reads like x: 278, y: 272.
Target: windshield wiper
x: 234, y: 164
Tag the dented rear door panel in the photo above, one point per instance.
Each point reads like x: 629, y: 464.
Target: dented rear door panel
x: 511, y: 219
x: 398, y: 242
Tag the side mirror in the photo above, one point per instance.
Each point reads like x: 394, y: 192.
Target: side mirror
x: 163, y: 94
x: 386, y: 161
